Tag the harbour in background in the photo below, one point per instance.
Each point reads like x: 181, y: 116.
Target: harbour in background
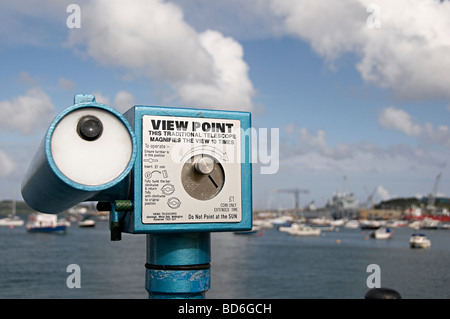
x: 289, y: 253
x: 269, y: 264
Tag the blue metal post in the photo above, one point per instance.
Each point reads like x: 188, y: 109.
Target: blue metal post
x: 178, y: 265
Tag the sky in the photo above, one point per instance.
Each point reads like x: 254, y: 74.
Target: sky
x: 345, y: 95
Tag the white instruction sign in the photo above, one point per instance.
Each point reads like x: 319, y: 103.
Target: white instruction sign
x: 191, y: 170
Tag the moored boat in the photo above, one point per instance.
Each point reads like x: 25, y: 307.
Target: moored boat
x: 352, y: 223
x: 12, y: 221
x: 45, y: 223
x: 301, y: 230
x: 87, y: 222
x: 369, y: 224
x: 419, y: 240
x: 262, y: 223
x: 382, y: 233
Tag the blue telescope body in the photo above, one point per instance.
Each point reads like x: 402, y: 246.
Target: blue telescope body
x: 175, y: 174
x: 72, y: 164
x: 179, y: 169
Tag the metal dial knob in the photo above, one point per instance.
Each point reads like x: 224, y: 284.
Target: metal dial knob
x: 202, y: 177
x: 204, y: 165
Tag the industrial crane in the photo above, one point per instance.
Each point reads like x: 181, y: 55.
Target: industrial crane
x: 296, y: 193
x: 369, y: 202
x: 432, y: 195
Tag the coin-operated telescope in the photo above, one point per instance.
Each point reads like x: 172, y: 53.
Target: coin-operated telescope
x: 175, y: 174
x: 87, y: 153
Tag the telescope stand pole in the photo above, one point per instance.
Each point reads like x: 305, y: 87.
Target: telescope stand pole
x: 178, y: 265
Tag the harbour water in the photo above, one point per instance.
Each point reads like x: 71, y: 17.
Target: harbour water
x: 269, y: 265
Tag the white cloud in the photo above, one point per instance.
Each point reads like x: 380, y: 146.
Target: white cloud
x: 314, y: 141
x: 27, y: 112
x: 332, y: 27
x: 393, y: 118
x: 7, y: 165
x: 123, y: 101
x: 101, y: 98
x: 290, y: 128
x: 312, y: 152
x: 27, y: 79
x: 150, y: 38
x: 230, y: 87
x: 319, y: 143
x: 408, y: 54
x: 383, y: 193
x: 440, y: 135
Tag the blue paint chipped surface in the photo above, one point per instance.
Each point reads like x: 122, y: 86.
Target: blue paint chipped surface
x: 178, y: 281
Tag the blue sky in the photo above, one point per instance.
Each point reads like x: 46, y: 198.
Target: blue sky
x: 349, y: 99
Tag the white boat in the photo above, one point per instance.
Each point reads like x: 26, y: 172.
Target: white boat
x: 418, y: 240
x: 424, y: 224
x: 382, y: 233
x: 325, y: 223
x: 429, y: 223
x: 338, y: 222
x: 282, y: 220
x: 370, y: 224
x: 12, y: 220
x: 397, y: 223
x: 321, y: 221
x: 45, y: 223
x: 263, y: 223
x: 301, y: 230
x: 352, y: 223
x: 87, y: 222
x: 416, y: 224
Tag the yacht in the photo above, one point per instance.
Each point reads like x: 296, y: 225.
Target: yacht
x: 352, y: 223
x: 301, y: 230
x: 86, y: 222
x: 12, y: 221
x: 381, y: 233
x: 419, y: 240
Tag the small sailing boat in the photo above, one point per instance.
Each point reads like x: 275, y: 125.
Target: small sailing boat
x: 12, y: 219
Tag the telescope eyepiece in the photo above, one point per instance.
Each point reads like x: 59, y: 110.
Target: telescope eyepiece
x: 89, y: 128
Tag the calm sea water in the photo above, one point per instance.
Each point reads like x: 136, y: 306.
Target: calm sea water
x: 273, y: 265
